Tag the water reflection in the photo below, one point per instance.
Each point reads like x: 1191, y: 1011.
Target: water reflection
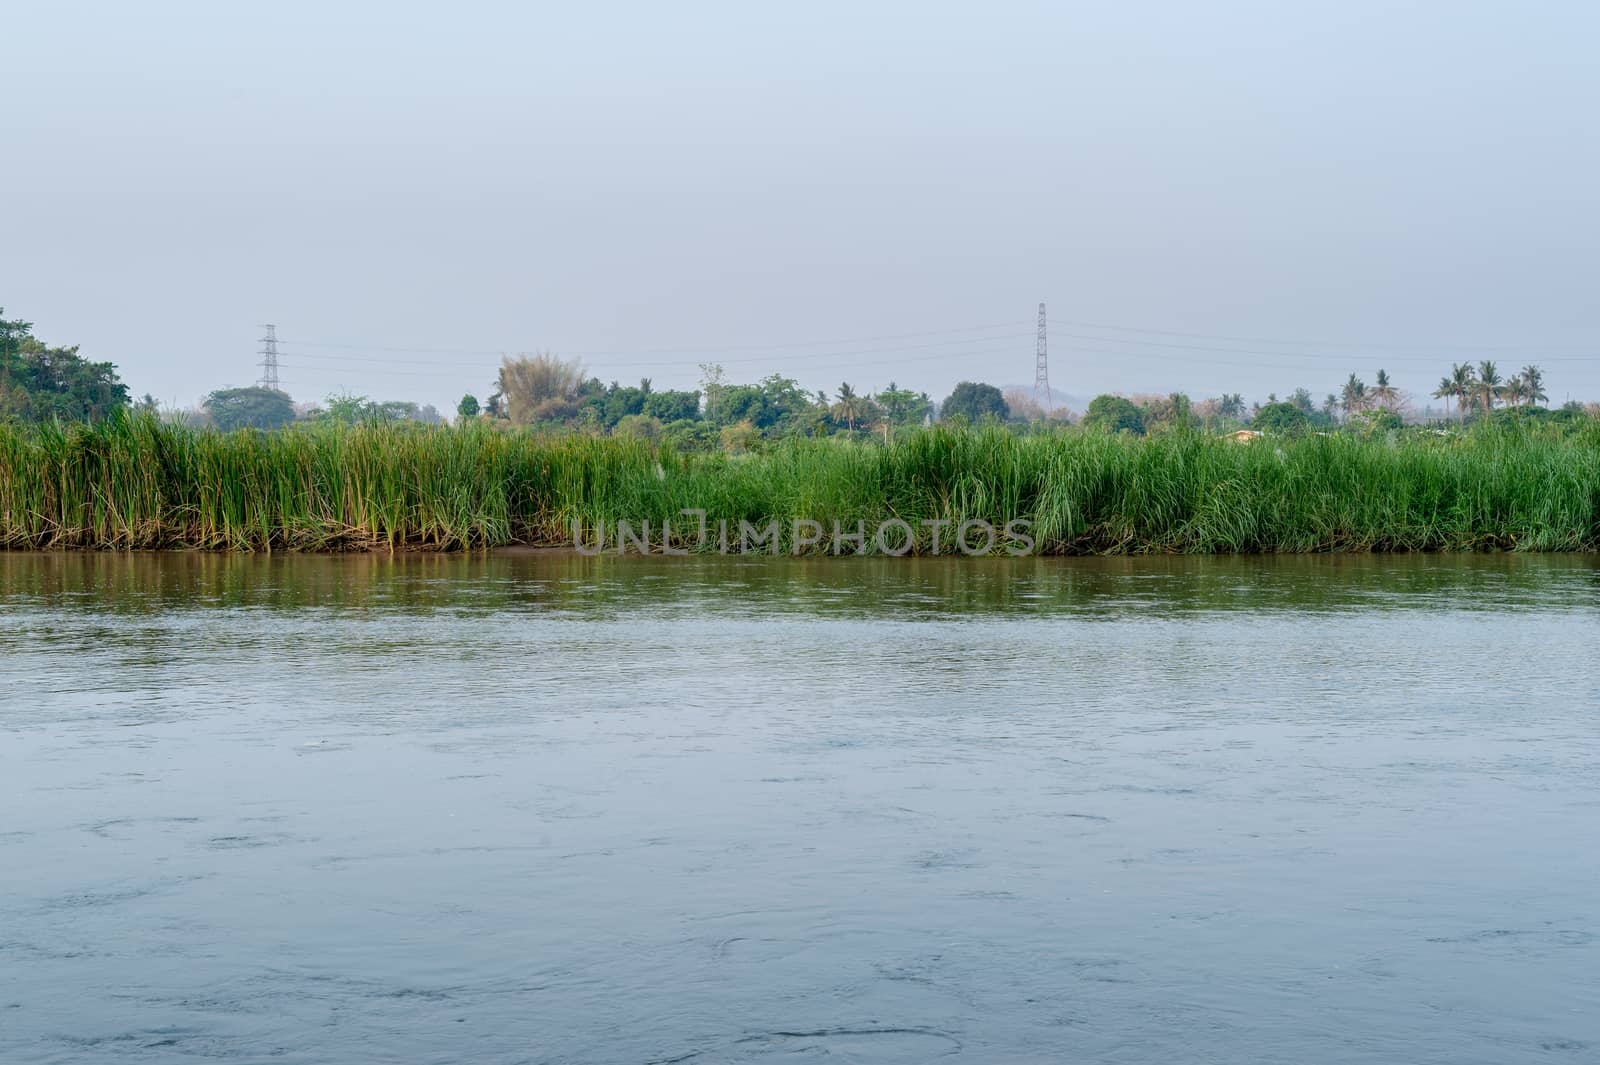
x: 568, y: 583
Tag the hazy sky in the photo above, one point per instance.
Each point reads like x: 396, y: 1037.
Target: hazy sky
x: 407, y: 189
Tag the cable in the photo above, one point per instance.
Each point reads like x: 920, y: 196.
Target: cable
x: 688, y: 349
x: 849, y: 359
x: 1331, y: 343
x: 672, y: 362
x: 1291, y: 354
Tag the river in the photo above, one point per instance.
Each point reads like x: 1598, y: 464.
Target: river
x: 541, y: 808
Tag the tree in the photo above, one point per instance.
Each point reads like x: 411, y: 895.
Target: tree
x: 849, y: 407
x: 249, y: 408
x: 1354, y: 397
x: 1231, y: 405
x: 1533, y: 379
x: 38, y: 383
x: 1114, y: 414
x: 774, y: 405
x: 1445, y: 391
x: 468, y: 407
x: 672, y: 406
x: 1281, y: 418
x: 622, y: 402
x: 347, y: 408
x: 1464, y: 379
x: 974, y: 402
x: 1383, y: 393
x: 1488, y: 384
x: 394, y: 410
x: 1161, y: 414
x: 713, y: 380
x: 901, y: 406
x: 527, y: 382
x: 733, y: 404
x: 1515, y: 390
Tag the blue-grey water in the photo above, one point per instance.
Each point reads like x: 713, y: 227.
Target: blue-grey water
x: 546, y: 809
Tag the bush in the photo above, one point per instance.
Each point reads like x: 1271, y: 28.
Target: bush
x: 1281, y: 418
x: 1114, y: 414
x: 639, y: 425
x: 974, y: 402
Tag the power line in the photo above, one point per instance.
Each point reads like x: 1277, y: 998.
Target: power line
x: 849, y: 359
x: 664, y: 362
x: 1323, y: 355
x: 687, y: 349
x: 1337, y: 343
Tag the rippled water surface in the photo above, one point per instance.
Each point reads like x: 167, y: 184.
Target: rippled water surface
x: 542, y: 808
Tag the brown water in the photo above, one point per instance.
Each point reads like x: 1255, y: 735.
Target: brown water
x: 556, y: 809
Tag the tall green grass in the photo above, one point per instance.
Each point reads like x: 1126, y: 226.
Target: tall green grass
x: 135, y: 483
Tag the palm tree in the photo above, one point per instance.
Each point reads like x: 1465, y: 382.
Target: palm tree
x: 1445, y: 391
x: 1533, y: 378
x: 894, y: 402
x: 1330, y: 403
x: 1488, y: 384
x: 849, y: 405
x: 1384, y: 393
x: 1355, y: 395
x: 1515, y: 390
x: 1465, y: 380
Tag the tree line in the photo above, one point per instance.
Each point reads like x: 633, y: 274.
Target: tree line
x: 39, y: 383
x: 549, y: 392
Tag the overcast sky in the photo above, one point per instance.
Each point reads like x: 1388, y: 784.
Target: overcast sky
x: 857, y: 191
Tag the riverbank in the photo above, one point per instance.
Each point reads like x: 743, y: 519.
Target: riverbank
x: 135, y: 483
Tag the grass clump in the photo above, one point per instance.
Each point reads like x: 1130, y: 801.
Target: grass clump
x: 132, y: 482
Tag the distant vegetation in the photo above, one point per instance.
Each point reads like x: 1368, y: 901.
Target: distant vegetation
x: 553, y: 396
x: 249, y: 408
x: 134, y: 482
x: 556, y: 396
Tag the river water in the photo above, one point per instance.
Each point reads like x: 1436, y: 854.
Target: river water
x: 544, y: 808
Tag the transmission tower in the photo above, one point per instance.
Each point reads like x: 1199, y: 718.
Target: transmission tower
x: 269, y: 358
x: 1041, y: 370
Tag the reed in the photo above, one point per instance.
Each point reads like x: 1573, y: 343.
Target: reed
x: 131, y: 482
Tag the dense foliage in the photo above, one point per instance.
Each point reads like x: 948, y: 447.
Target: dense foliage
x: 1280, y: 418
x: 975, y: 402
x: 1114, y: 414
x: 38, y: 382
x: 249, y: 408
x: 134, y: 482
